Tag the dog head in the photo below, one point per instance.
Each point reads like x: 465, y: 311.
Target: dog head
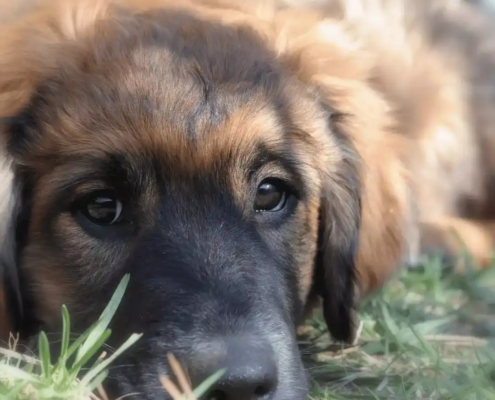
x: 182, y: 149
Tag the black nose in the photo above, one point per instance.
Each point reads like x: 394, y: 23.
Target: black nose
x: 250, y: 370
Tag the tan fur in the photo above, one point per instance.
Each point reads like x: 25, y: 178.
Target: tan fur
x: 404, y: 105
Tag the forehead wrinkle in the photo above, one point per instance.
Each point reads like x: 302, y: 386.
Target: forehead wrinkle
x: 183, y: 97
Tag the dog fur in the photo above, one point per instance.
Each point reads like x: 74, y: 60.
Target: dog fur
x: 387, y: 107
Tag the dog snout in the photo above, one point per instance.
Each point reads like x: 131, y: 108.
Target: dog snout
x: 249, y: 370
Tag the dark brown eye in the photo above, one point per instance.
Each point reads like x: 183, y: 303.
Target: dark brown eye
x: 102, y: 208
x: 271, y: 195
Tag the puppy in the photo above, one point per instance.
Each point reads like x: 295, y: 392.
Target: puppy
x: 242, y: 161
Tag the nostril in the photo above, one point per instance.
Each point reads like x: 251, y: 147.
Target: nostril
x: 262, y: 391
x: 216, y: 395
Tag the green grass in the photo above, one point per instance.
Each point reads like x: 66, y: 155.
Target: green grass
x: 429, y: 335
x: 70, y: 376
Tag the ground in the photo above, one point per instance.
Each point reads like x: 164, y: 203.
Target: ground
x: 430, y: 334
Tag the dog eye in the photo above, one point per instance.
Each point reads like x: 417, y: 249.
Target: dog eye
x: 102, y: 208
x: 271, y: 195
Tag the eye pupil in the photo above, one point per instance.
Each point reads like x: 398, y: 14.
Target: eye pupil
x: 270, y: 196
x: 103, y: 209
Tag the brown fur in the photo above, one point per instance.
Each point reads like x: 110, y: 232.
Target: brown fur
x: 407, y: 107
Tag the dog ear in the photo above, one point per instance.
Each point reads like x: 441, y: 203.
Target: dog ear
x: 10, y: 295
x: 15, y: 136
x: 364, y: 214
x: 338, y: 240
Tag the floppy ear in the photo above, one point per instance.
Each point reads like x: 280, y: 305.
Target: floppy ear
x: 10, y: 298
x: 15, y: 186
x: 338, y: 240
x: 364, y: 218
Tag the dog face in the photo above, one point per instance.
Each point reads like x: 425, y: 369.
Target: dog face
x: 185, y: 153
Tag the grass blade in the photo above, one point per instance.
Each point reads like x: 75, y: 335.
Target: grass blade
x: 100, y: 367
x: 105, y: 318
x: 44, y: 351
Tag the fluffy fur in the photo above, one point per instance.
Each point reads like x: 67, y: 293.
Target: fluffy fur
x: 378, y: 113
